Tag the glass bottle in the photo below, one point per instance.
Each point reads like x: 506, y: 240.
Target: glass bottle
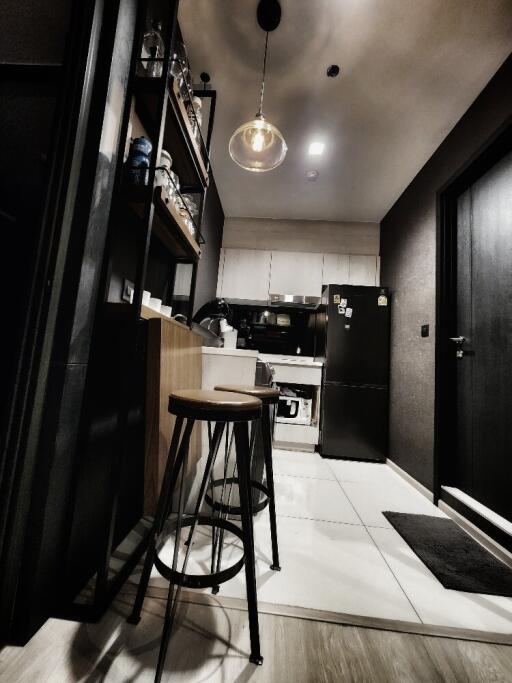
x: 178, y: 62
x: 153, y: 48
x: 195, y: 117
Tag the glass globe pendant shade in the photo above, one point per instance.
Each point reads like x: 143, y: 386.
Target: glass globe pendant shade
x: 257, y: 145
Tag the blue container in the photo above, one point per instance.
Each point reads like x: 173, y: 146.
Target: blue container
x: 141, y: 146
x: 138, y: 169
x: 138, y: 161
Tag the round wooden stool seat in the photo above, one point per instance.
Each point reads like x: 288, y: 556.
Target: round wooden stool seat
x: 219, y: 406
x: 265, y: 394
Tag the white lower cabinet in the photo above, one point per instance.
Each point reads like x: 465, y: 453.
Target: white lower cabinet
x: 297, y: 374
x: 301, y: 436
x: 287, y: 434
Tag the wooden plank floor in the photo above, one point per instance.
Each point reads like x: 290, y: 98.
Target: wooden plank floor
x: 211, y: 644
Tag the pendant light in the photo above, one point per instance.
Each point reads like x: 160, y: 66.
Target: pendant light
x: 257, y: 145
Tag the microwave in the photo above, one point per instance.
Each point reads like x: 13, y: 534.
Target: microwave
x: 294, y: 410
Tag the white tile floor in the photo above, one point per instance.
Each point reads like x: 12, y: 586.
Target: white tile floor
x: 339, y: 553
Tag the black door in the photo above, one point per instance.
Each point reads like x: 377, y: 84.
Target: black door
x: 484, y: 355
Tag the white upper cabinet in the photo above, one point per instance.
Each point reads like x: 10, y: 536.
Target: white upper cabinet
x: 255, y: 274
x: 244, y: 274
x: 336, y: 269
x: 296, y: 272
x: 362, y: 270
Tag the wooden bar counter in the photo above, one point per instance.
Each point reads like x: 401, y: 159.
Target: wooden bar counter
x: 174, y: 361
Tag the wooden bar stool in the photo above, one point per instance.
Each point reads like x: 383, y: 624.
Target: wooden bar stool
x: 221, y: 408
x: 268, y: 397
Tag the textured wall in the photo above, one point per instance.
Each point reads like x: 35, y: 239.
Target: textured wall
x: 310, y: 236
x: 408, y: 267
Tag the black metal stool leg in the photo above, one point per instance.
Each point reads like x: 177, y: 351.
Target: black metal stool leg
x: 172, y: 469
x: 210, y: 437
x: 244, y: 477
x: 219, y: 543
x: 215, y: 531
x: 169, y: 608
x: 166, y: 632
x: 267, y: 451
x: 225, y: 515
x: 173, y: 595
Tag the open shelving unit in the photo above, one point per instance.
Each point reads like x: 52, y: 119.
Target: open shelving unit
x: 190, y: 159
x: 168, y: 225
x: 143, y: 223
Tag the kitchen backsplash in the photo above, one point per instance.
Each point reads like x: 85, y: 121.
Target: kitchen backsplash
x: 284, y: 330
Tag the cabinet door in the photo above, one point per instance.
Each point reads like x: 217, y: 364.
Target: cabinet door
x: 336, y: 269
x: 245, y: 274
x: 220, y: 274
x: 362, y: 270
x: 295, y: 272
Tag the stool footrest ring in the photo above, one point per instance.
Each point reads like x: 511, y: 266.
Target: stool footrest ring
x: 237, y: 510
x: 203, y: 580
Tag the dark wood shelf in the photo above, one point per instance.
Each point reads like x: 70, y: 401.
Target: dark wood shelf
x: 167, y: 224
x: 187, y: 159
x: 180, y: 117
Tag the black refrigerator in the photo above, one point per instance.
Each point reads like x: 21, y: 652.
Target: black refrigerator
x: 352, y: 340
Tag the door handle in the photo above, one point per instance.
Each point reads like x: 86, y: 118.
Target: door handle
x: 459, y: 341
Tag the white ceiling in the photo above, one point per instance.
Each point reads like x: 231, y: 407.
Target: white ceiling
x: 409, y: 70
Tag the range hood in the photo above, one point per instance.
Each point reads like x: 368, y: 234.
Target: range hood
x: 295, y: 300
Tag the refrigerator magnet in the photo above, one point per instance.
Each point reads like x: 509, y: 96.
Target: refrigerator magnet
x: 348, y: 313
x: 336, y: 299
x: 341, y: 310
x: 343, y: 303
x: 382, y: 300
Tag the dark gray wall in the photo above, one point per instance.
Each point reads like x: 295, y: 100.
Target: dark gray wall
x: 212, y: 226
x: 408, y: 267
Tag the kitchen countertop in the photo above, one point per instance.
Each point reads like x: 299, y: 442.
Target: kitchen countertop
x: 279, y: 359
x: 244, y: 353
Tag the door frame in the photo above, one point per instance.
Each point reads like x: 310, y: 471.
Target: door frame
x: 496, y: 147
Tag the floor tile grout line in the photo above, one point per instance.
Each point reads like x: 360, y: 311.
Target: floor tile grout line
x: 396, y: 577
x: 346, y: 496
x: 327, y: 521
x: 379, y: 550
x: 300, y: 476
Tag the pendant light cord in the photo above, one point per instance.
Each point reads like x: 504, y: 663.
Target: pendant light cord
x: 260, y: 110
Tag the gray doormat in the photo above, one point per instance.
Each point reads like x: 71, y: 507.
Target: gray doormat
x: 455, y: 559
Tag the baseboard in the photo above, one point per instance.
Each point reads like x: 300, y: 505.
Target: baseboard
x: 480, y: 509
x: 481, y: 537
x: 410, y: 480
x: 469, y: 527
x: 293, y: 446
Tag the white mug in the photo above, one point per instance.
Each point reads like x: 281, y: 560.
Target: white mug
x: 166, y: 310
x: 146, y: 296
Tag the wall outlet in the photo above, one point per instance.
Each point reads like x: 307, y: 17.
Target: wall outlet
x: 127, y: 295
x: 425, y: 330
